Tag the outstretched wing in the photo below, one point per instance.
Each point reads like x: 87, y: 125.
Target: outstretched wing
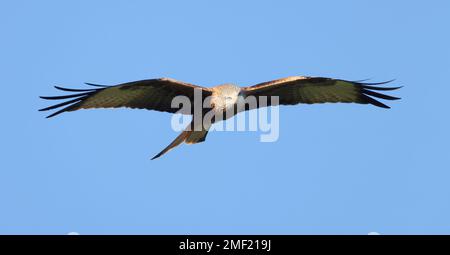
x: 313, y: 90
x: 154, y: 94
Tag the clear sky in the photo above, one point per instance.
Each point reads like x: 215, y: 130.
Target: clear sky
x: 336, y: 168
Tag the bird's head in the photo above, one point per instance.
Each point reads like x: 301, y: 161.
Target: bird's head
x: 225, y: 96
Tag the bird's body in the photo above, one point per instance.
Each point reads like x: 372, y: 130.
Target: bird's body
x: 225, y: 100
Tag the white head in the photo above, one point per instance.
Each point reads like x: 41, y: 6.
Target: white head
x: 225, y: 96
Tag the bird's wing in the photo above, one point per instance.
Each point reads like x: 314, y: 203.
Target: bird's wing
x: 313, y: 90
x: 154, y: 94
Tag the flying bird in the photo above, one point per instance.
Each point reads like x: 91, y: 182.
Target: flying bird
x: 157, y: 94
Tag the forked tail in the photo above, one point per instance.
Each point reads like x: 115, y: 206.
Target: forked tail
x: 188, y: 136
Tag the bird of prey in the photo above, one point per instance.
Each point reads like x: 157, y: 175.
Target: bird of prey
x: 157, y: 94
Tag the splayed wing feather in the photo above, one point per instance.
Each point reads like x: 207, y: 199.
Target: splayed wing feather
x: 65, y: 97
x: 96, y: 85
x: 62, y: 104
x: 378, y: 95
x: 73, y: 90
x: 379, y: 88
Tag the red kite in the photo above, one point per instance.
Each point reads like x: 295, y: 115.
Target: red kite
x: 157, y: 94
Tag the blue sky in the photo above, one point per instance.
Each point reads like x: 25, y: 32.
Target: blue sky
x: 336, y: 169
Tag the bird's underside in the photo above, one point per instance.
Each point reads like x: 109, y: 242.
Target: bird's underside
x: 158, y: 94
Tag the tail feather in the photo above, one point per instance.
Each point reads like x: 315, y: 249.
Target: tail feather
x: 196, y: 137
x: 187, y: 136
x: 180, y: 139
